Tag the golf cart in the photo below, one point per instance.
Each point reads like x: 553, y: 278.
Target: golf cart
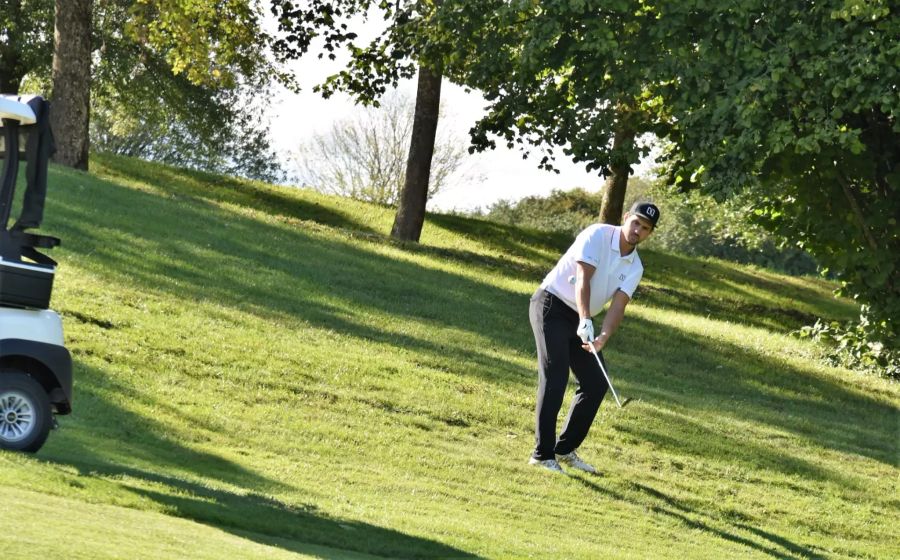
x: 35, y: 367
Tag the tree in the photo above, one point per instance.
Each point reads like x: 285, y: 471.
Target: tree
x: 797, y: 103
x: 364, y: 157
x: 26, y: 30
x: 72, y: 82
x: 563, y: 76
x: 211, y: 42
x: 796, y: 100
x: 695, y: 224
x: 186, y: 84
x: 170, y: 80
x: 372, y: 69
x: 141, y: 108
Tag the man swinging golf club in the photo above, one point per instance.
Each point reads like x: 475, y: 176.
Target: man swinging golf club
x: 603, y: 265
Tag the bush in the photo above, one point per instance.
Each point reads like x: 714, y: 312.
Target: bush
x: 691, y: 224
x: 561, y: 211
x: 695, y: 224
x: 853, y: 345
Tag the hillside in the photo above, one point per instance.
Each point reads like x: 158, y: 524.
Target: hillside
x: 261, y: 373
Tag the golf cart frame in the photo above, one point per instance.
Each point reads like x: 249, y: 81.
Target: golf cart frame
x: 35, y: 366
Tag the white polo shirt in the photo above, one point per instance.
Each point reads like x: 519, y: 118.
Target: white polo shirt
x: 598, y: 246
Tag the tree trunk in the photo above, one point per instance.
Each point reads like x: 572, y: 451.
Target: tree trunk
x: 613, y: 203
x: 70, y: 116
x: 411, y: 212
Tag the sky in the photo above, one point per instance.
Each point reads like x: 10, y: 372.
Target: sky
x: 499, y: 174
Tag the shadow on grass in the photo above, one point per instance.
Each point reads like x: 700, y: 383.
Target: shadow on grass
x: 711, y: 377
x: 774, y: 318
x: 534, y: 267
x: 268, y: 521
x: 719, y: 290
x: 180, y: 183
x: 201, y: 186
x: 194, y: 251
x: 200, y: 253
x: 504, y: 238
x: 661, y: 504
x: 133, y: 451
x: 102, y: 432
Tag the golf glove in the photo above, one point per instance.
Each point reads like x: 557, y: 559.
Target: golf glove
x: 586, y: 330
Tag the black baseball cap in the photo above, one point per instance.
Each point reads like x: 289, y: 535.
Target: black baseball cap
x: 646, y: 210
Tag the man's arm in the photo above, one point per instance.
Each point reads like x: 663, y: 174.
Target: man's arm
x: 583, y: 274
x: 611, y: 320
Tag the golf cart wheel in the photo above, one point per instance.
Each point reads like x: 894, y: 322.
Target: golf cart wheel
x: 25, y: 414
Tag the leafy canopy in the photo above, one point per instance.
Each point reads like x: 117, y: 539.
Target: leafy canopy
x: 558, y: 76
x: 797, y: 102
x: 792, y: 102
x: 182, y: 82
x: 374, y: 68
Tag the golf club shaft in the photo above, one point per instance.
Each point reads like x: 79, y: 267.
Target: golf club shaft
x: 603, y: 369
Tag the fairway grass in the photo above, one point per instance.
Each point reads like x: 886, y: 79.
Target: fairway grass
x: 261, y: 373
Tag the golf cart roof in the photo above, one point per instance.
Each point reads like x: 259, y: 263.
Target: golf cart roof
x: 12, y: 108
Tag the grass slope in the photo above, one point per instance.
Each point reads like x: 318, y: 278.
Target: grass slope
x: 260, y: 372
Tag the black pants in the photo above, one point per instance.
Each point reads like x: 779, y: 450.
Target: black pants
x: 558, y: 348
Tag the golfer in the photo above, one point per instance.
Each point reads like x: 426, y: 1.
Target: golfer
x: 601, y: 265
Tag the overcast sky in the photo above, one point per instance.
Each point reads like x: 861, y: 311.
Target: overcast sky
x: 500, y: 174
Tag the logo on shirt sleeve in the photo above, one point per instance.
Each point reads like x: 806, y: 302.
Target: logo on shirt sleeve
x: 621, y: 278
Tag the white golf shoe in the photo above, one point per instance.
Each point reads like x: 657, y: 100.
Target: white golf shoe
x: 573, y: 460
x: 549, y: 464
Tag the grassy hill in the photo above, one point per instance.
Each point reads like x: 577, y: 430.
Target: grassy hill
x: 261, y: 373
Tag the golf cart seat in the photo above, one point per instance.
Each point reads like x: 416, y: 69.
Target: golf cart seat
x: 25, y: 134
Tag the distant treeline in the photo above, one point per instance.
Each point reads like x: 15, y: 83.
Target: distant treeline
x: 692, y: 224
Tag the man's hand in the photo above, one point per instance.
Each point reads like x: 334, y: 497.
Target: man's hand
x: 610, y: 322
x: 598, y: 344
x: 586, y: 330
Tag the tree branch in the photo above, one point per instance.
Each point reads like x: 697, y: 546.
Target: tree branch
x: 857, y: 212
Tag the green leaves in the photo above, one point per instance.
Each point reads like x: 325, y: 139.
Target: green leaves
x: 407, y: 38
x: 796, y: 104
x: 851, y: 344
x: 211, y: 42
x: 800, y: 107
x: 26, y: 40
x: 866, y: 10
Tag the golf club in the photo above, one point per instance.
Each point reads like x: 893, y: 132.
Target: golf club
x: 599, y: 363
x: 603, y: 369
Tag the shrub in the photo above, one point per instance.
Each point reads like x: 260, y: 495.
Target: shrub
x: 692, y: 224
x: 853, y: 345
x: 561, y: 211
